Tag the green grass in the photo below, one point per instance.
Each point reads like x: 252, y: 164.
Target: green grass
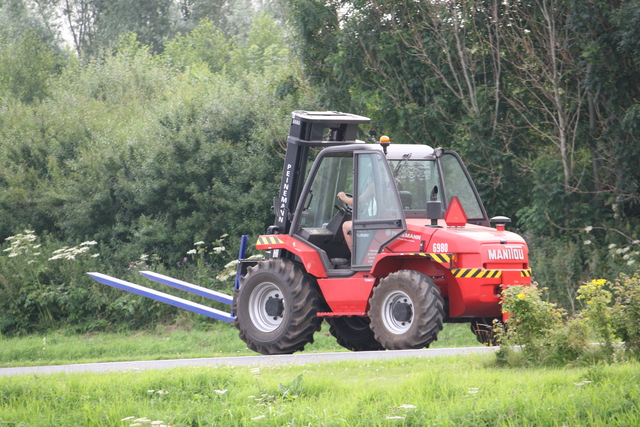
x: 218, y: 339
x: 443, y: 391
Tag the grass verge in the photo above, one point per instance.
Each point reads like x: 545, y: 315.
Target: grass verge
x: 216, y: 339
x: 443, y: 391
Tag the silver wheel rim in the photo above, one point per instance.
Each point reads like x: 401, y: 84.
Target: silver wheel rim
x: 392, y: 324
x: 257, y: 307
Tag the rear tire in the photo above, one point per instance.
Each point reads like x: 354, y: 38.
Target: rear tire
x: 354, y: 333
x: 483, y: 330
x: 406, y: 311
x: 276, y: 307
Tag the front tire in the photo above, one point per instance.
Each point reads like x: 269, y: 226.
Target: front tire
x: 276, y: 307
x: 406, y: 311
x: 353, y: 333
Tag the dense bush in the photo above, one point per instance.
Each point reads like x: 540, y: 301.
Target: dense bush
x: 539, y: 332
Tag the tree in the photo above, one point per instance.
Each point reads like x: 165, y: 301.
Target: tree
x: 96, y: 25
x: 29, y: 53
x: 543, y: 68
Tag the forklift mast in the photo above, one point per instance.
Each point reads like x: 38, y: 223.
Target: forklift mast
x: 308, y: 129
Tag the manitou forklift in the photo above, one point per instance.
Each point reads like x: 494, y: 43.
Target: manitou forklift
x: 406, y: 247
x: 409, y: 248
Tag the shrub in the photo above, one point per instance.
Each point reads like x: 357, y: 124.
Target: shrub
x: 530, y: 321
x: 40, y: 285
x: 597, y: 311
x: 625, y: 313
x: 540, y: 331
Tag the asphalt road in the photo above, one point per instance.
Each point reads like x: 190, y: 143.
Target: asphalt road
x: 288, y: 359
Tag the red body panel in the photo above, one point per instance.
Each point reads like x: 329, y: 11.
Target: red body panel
x: 348, y: 296
x: 471, y: 265
x: 309, y: 256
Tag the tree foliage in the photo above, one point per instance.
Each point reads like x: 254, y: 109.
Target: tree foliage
x: 145, y: 153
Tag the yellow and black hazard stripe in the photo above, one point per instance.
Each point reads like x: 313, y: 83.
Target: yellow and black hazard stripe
x: 269, y: 240
x: 440, y: 257
x: 525, y: 273
x: 475, y: 273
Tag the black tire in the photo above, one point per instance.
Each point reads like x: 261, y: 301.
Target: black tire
x: 353, y: 333
x: 483, y: 330
x: 406, y: 311
x: 276, y: 307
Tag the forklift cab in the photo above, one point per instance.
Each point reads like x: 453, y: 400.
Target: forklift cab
x: 376, y: 214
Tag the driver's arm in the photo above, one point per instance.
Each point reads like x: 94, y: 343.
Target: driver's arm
x: 345, y: 199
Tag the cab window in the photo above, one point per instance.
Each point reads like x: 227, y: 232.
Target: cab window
x: 335, y: 174
x: 457, y: 183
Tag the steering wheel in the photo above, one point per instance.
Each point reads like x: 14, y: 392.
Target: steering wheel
x: 344, y: 207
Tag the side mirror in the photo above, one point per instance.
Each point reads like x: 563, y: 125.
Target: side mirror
x: 434, y: 212
x: 434, y: 207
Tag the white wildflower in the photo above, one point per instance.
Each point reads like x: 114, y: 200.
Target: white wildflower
x: 219, y: 249
x: 89, y: 243
x: 127, y: 419
x: 395, y: 418
x: 587, y: 242
x: 232, y: 264
x: 221, y: 391
x: 199, y: 243
x: 613, y: 245
x: 407, y: 406
x: 225, y: 277
x: 191, y: 252
x: 588, y: 228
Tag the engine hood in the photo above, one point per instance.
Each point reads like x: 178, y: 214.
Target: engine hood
x: 479, y: 245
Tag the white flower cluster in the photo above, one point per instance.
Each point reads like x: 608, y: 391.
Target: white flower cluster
x: 71, y: 253
x: 144, y: 421
x: 229, y: 269
x: 22, y: 244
